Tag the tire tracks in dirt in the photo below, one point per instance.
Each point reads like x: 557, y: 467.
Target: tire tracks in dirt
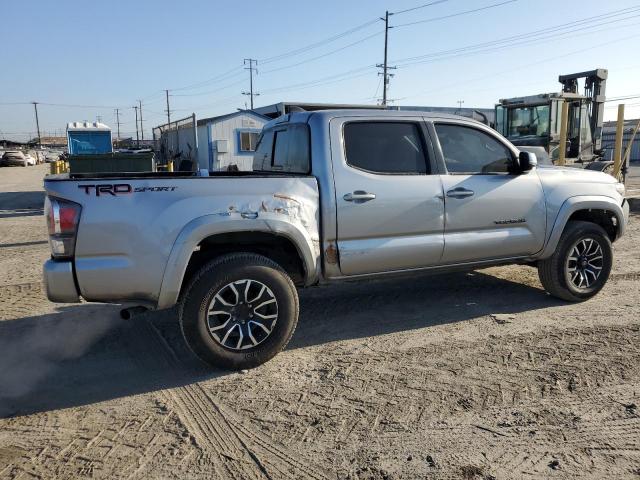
x: 231, y: 447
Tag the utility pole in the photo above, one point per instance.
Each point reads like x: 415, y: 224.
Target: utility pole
x: 137, y: 136
x: 141, y: 128
x: 118, y: 122
x: 251, y: 69
x: 35, y: 106
x: 460, y: 102
x: 385, y: 67
x: 168, y: 111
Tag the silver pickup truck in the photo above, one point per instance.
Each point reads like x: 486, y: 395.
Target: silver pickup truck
x: 334, y: 195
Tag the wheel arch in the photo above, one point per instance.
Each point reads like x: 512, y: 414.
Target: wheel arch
x: 603, y: 211
x: 210, y: 236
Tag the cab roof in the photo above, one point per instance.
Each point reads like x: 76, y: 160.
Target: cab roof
x: 327, y: 115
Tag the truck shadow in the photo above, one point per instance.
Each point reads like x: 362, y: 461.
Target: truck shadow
x: 86, y: 354
x: 355, y: 310
x: 21, y: 204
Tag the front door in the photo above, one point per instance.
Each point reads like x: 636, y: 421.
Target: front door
x: 491, y: 211
x: 390, y: 212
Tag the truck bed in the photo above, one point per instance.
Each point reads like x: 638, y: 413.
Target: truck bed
x: 130, y: 225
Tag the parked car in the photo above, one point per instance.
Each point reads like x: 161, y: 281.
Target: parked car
x: 38, y: 155
x: 52, y: 156
x: 31, y: 158
x: 14, y: 158
x: 335, y: 195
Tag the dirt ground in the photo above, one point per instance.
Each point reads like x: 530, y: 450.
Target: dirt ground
x: 479, y: 375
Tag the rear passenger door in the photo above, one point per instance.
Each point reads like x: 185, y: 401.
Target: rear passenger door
x: 491, y: 210
x: 389, y: 206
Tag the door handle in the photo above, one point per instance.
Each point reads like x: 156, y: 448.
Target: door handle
x: 359, y: 196
x: 459, y: 192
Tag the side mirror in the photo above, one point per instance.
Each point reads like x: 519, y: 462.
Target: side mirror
x: 527, y: 161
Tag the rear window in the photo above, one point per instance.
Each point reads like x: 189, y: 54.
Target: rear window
x: 385, y: 147
x: 283, y: 148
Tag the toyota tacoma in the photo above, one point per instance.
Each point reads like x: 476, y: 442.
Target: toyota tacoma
x: 334, y: 195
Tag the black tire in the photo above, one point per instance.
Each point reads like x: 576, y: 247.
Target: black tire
x: 214, y: 278
x: 554, y: 271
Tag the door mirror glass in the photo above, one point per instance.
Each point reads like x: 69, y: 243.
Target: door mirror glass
x: 527, y: 161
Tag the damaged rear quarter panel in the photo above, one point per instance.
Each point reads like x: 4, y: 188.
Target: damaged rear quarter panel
x: 286, y: 206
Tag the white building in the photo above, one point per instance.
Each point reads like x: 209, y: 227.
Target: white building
x: 229, y: 140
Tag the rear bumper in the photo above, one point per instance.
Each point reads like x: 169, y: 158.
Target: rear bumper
x: 59, y: 282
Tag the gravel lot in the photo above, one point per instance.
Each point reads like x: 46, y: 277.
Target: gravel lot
x: 478, y: 375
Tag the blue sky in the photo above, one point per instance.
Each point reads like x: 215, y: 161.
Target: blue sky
x: 110, y: 54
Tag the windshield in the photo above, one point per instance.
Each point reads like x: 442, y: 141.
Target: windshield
x: 528, y: 121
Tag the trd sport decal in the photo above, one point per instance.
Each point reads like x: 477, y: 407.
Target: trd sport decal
x: 120, y: 189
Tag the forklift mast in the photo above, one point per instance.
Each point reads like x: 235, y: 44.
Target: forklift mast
x: 595, y: 82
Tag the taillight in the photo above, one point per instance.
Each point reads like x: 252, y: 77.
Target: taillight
x: 62, y: 222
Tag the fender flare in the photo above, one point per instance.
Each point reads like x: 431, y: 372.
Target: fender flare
x: 205, y: 226
x: 574, y: 204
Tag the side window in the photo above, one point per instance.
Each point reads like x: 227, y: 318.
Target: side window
x: 280, y: 148
x: 248, y: 141
x: 385, y: 147
x: 284, y: 148
x: 264, y: 149
x: 468, y: 150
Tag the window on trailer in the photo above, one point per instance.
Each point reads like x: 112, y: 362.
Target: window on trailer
x: 248, y: 141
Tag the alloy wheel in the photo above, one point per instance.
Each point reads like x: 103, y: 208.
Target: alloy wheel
x: 242, y: 314
x: 584, y: 263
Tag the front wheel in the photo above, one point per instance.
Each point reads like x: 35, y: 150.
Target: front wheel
x: 239, y: 311
x: 581, y: 264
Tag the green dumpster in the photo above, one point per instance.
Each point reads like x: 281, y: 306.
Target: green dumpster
x: 112, y: 163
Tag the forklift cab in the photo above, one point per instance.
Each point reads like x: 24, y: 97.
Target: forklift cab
x: 536, y: 121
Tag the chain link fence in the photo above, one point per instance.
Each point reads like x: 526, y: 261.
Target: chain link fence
x: 176, y: 144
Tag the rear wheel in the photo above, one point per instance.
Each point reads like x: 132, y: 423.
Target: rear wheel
x: 581, y: 264
x: 239, y: 311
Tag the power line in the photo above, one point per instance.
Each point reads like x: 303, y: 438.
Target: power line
x: 209, y: 91
x: 317, y: 44
x: 527, y: 65
x: 626, y: 97
x: 61, y: 105
x: 324, y: 81
x: 215, y: 79
x: 558, y: 29
x: 532, y: 41
x: 324, y: 54
x: 455, y: 14
x: 375, y: 95
x: 418, y: 7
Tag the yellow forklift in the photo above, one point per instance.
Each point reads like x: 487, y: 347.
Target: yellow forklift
x: 534, y: 123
